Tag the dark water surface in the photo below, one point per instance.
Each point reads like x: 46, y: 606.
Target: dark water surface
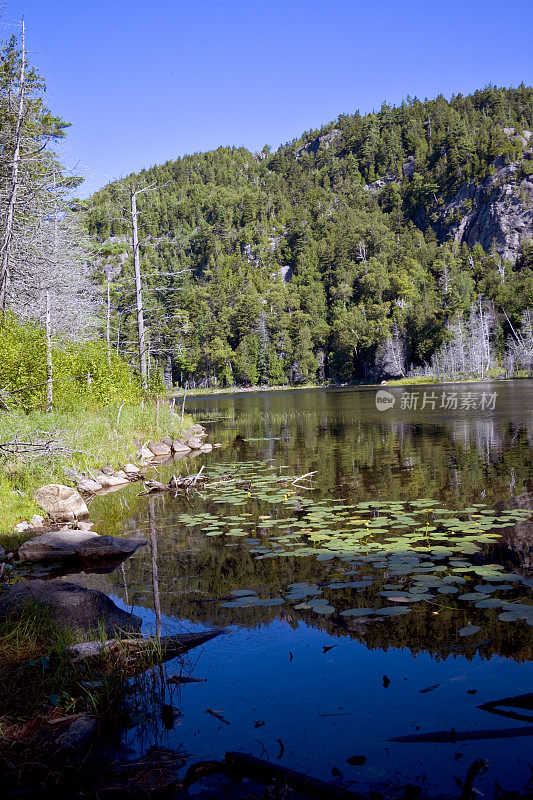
x: 307, y: 686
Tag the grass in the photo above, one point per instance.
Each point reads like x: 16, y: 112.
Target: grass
x: 492, y: 374
x: 89, y: 438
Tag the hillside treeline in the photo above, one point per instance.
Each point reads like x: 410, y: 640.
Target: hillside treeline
x: 325, y: 260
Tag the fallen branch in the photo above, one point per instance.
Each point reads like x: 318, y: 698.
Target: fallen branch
x: 265, y: 772
x: 307, y: 474
x: 139, y: 653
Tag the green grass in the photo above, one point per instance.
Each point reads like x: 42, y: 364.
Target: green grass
x: 90, y: 438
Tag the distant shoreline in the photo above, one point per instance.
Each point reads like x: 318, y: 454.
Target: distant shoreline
x: 178, y: 397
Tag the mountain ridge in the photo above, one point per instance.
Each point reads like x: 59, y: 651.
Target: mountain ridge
x: 304, y: 263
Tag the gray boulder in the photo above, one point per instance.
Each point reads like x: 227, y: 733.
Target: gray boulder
x: 195, y: 429
x: 89, y: 485
x: 77, y: 545
x: 194, y: 442
x: 70, y: 605
x: 61, y: 502
x: 130, y: 470
x: 166, y: 440
x: 158, y: 448
x: 179, y: 446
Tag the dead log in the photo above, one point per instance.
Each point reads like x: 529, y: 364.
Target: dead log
x: 465, y: 736
x: 265, y: 772
x: 139, y: 654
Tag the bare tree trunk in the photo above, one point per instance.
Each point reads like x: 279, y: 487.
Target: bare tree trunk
x: 108, y: 325
x: 155, y: 575
x: 138, y: 292
x: 49, y: 382
x: 5, y: 248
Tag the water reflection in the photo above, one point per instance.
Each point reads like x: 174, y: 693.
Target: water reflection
x: 458, y: 458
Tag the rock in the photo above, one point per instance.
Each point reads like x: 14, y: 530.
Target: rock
x: 37, y: 521
x: 194, y: 442
x: 107, y: 470
x: 20, y: 527
x: 144, y: 453
x: 122, y: 475
x: 107, y: 481
x: 89, y: 485
x: 195, y: 429
x: 166, y: 440
x: 409, y: 167
x: 61, y: 502
x: 130, y: 469
x: 85, y: 526
x: 180, y: 447
x: 73, y: 474
x: 78, y: 734
x: 206, y: 448
x: 70, y: 605
x: 2, y: 551
x: 77, y: 545
x: 159, y: 449
x: 497, y: 211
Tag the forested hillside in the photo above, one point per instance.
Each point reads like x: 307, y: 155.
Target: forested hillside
x: 380, y: 244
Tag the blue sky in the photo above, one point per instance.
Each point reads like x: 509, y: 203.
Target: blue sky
x: 143, y: 82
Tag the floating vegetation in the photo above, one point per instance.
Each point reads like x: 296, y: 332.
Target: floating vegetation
x: 423, y: 549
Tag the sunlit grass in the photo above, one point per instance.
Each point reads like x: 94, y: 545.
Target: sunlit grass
x: 89, y: 438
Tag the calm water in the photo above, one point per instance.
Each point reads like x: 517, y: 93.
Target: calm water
x: 310, y: 689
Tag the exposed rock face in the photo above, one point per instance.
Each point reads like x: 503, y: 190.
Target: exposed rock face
x: 498, y: 211
x: 61, y: 502
x: 324, y: 141
x: 70, y: 605
x: 77, y: 545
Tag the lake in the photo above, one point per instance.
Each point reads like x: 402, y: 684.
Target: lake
x: 385, y: 595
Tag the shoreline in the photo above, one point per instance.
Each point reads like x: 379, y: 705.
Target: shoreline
x: 396, y: 382
x: 75, y: 440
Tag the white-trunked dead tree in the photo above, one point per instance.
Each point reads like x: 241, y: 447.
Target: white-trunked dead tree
x: 44, y: 266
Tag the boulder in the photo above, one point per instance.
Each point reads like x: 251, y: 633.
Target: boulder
x: 166, y: 440
x: 61, y: 502
x: 37, y: 521
x: 106, y: 481
x: 21, y: 527
x: 196, y: 429
x: 159, y: 449
x: 89, y: 485
x: 73, y: 474
x: 206, y: 448
x: 130, y: 469
x: 76, y: 735
x: 77, y: 545
x: 194, y: 442
x: 180, y: 447
x: 144, y: 453
x: 107, y: 470
x: 70, y: 605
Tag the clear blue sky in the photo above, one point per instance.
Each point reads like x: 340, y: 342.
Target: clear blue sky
x: 143, y: 82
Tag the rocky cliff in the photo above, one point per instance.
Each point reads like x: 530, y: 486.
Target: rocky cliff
x: 498, y: 212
